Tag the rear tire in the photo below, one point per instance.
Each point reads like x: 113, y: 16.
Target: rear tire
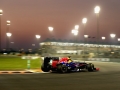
x: 45, y: 68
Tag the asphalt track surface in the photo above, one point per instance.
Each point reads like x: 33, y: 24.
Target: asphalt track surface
x: 108, y: 78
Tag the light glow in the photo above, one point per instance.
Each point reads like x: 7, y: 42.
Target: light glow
x: 1, y: 12
x: 76, y: 27
x: 103, y: 38
x: 8, y: 22
x: 37, y: 36
x: 50, y: 28
x: 97, y: 9
x: 86, y: 36
x: 84, y: 20
x: 118, y: 39
x: 112, y: 35
x: 75, y: 32
x: 9, y: 34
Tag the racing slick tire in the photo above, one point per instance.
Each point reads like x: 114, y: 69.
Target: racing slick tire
x: 62, y: 68
x: 45, y: 68
x: 90, y: 67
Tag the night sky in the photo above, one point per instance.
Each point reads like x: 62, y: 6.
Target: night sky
x: 31, y: 17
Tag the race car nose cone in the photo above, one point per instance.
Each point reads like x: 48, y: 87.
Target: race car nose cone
x: 97, y: 69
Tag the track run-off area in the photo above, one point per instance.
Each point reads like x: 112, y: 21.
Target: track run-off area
x: 108, y: 78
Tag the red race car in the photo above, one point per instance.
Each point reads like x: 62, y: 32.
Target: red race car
x: 65, y: 64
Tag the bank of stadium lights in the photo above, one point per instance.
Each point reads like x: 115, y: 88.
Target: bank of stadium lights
x: 85, y: 36
x: 76, y: 27
x: 75, y: 32
x: 112, y: 35
x: 84, y: 20
x: 97, y: 9
x: 8, y: 22
x: 50, y: 28
x: 9, y: 34
x: 37, y: 36
x: 118, y: 39
x: 103, y: 38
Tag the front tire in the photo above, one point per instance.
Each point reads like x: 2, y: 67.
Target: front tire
x: 90, y: 67
x: 62, y: 68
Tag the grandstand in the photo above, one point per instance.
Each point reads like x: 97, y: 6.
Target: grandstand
x: 77, y: 48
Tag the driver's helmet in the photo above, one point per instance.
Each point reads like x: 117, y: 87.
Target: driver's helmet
x: 69, y: 60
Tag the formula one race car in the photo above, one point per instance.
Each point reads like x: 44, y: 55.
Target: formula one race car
x: 65, y: 64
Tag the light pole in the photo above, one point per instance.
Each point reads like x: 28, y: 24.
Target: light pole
x: 8, y: 41
x: 84, y: 21
x: 112, y: 36
x: 75, y: 32
x: 51, y: 30
x: 86, y: 37
x: 8, y: 24
x: 97, y: 10
x: 33, y: 47
x: 51, y: 36
x: 118, y: 39
x: 103, y: 38
x: 1, y: 13
x: 7, y: 31
x: 37, y: 37
x: 12, y: 45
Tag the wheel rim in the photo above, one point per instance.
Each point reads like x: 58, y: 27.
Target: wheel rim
x: 64, y: 69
